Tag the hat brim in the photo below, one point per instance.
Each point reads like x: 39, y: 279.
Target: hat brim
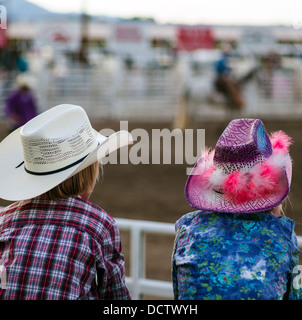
x: 17, y: 184
x: 211, y: 200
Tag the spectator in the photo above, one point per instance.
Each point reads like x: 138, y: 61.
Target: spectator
x: 54, y: 243
x: 20, y: 105
x: 238, y: 245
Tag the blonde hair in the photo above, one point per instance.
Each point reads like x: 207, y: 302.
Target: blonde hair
x: 280, y: 210
x: 75, y: 185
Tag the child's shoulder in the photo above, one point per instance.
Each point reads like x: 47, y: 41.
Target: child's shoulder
x: 280, y: 225
x: 288, y: 225
x: 191, y: 217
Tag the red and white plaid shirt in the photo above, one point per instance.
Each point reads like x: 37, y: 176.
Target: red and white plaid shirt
x: 54, y: 250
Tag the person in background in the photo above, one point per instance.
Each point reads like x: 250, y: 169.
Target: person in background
x: 224, y: 81
x: 20, y: 105
x: 238, y: 245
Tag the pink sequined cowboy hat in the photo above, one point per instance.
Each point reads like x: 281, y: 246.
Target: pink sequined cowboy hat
x: 248, y: 171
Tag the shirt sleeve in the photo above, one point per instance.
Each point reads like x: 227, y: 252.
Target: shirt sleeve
x: 294, y: 290
x: 174, y: 280
x: 174, y: 267
x: 111, y: 270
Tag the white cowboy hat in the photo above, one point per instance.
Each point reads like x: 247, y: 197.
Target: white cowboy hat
x: 49, y: 149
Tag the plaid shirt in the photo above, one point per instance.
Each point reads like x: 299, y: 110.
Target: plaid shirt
x: 55, y: 249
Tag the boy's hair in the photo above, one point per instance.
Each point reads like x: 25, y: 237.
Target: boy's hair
x: 76, y: 184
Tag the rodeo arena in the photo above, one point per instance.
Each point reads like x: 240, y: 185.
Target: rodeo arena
x: 141, y: 74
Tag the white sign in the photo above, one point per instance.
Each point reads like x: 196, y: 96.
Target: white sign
x: 129, y: 39
x: 59, y: 35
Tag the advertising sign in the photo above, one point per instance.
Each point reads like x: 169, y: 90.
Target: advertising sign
x: 194, y: 38
x: 59, y: 35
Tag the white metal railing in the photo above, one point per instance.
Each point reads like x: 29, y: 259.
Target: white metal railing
x: 112, y: 94
x: 137, y: 282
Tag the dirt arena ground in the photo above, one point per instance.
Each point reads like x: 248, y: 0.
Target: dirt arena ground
x: 156, y: 192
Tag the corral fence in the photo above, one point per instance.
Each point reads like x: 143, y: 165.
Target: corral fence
x: 111, y: 91
x: 106, y: 92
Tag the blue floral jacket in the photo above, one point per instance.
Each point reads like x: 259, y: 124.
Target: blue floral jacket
x: 233, y: 256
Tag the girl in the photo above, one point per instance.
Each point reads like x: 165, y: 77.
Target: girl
x: 237, y: 245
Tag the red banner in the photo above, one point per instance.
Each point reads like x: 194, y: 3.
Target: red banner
x: 193, y: 38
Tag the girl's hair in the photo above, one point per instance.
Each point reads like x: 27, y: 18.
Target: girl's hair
x: 75, y: 185
x: 280, y: 210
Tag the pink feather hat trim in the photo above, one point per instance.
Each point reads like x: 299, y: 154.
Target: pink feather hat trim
x: 248, y: 171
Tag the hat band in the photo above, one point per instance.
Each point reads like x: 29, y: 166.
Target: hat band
x: 55, y: 171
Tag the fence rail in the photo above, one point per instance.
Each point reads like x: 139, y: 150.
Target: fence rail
x: 111, y: 91
x: 137, y: 282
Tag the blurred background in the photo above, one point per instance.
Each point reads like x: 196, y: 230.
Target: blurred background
x: 190, y: 64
